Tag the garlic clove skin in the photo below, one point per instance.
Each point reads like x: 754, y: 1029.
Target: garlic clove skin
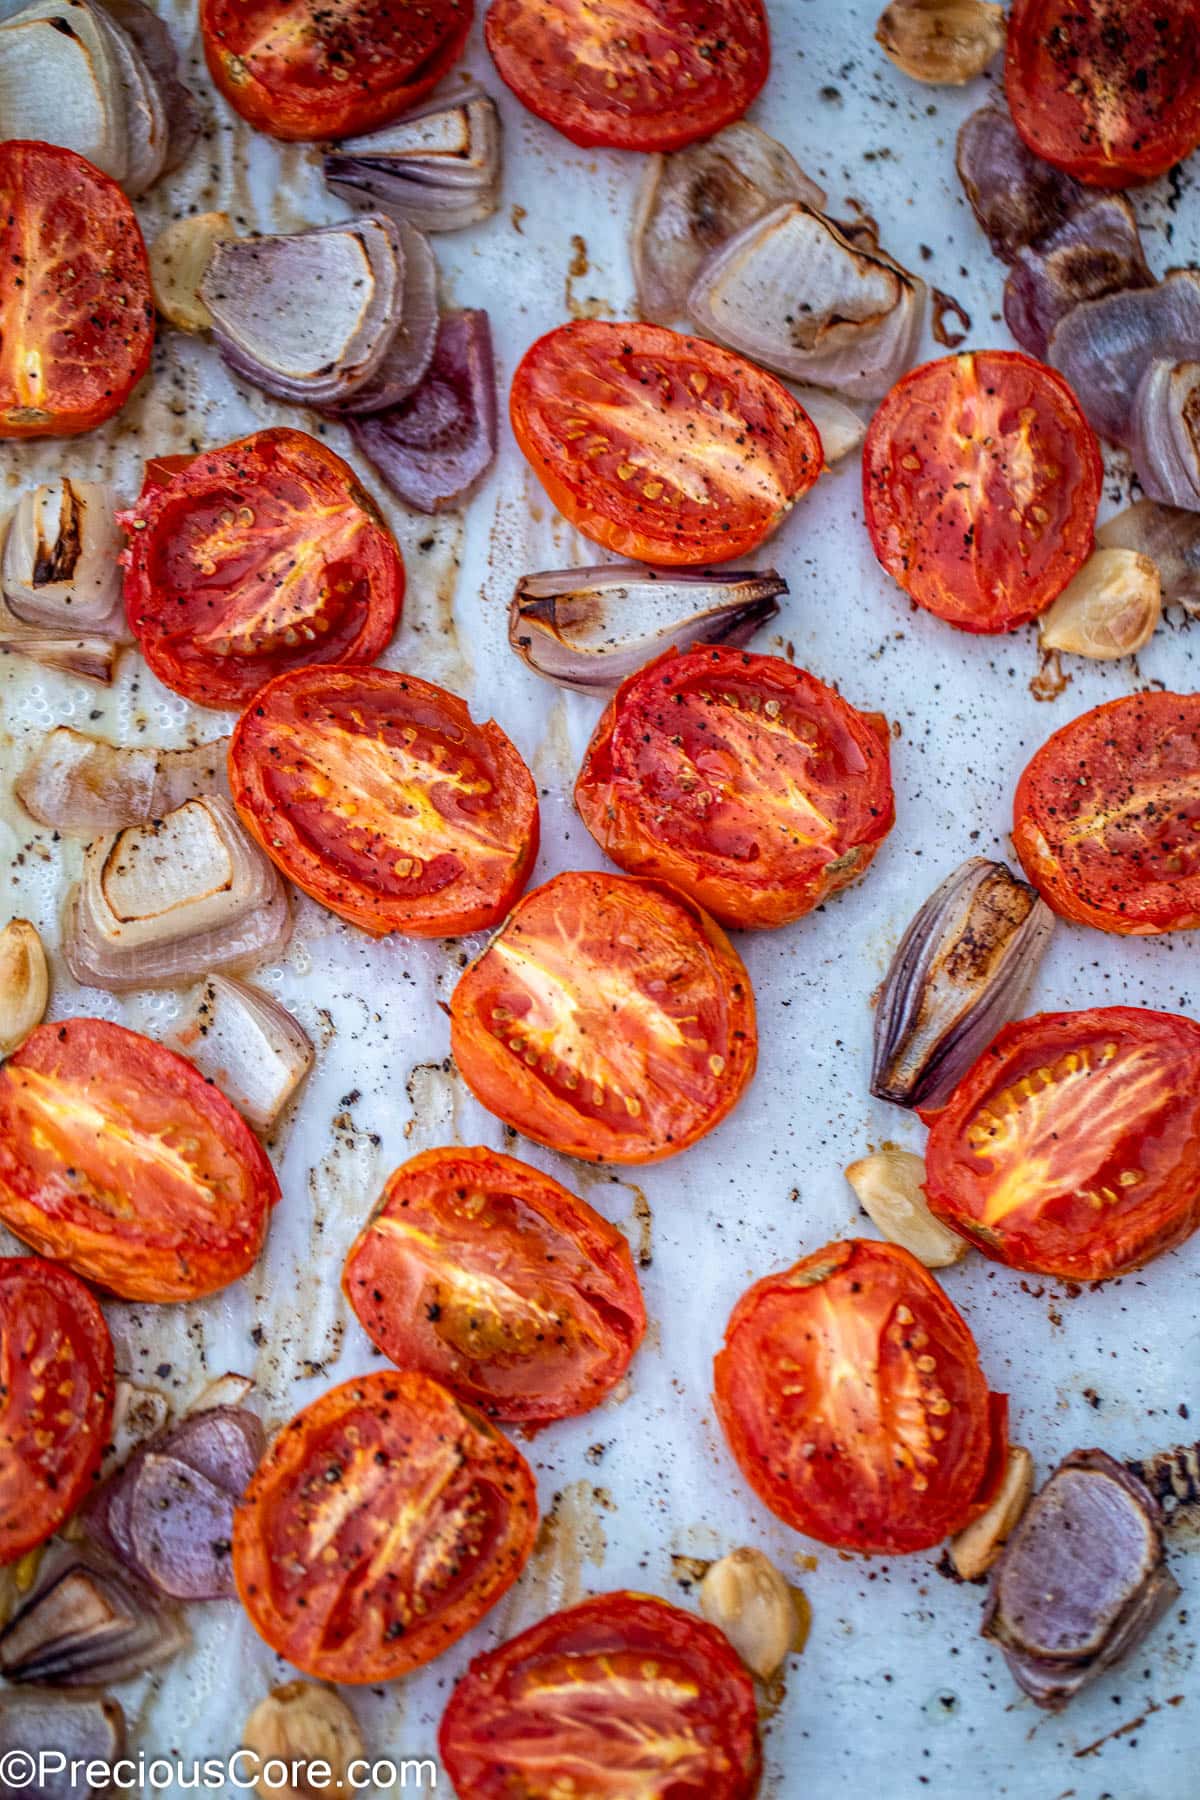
x: 24, y: 983
x: 301, y: 1723
x: 179, y: 256
x: 944, y: 42
x: 974, y: 1550
x: 746, y: 1597
x: 1110, y: 609
x: 890, y: 1189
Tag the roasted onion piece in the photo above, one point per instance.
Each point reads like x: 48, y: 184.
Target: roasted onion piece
x: 156, y: 47
x: 61, y: 82
x: 414, y: 338
x: 592, y: 628
x: 85, y: 1730
x: 79, y: 783
x: 437, y: 169
x: 693, y: 200
x: 88, y: 1624
x: 1082, y: 1580
x: 434, y: 448
x: 1165, y: 439
x: 1170, y: 537
x: 157, y: 905
x: 945, y: 42
x: 1104, y: 347
x: 61, y: 580
x: 248, y: 1044
x: 1016, y: 197
x: 793, y: 292
x: 1094, y: 252
x: 961, y: 972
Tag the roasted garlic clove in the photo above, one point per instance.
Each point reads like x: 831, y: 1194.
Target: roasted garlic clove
x: 890, y: 1189
x: 746, y: 1597
x: 974, y: 1550
x: 946, y: 42
x: 299, y: 1724
x: 179, y: 256
x: 1110, y: 609
x: 24, y: 983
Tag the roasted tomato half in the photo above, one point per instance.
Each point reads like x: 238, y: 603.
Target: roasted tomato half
x: 610, y: 1019
x: 381, y: 1525
x: 76, y: 313
x: 632, y: 74
x: 1106, y: 820
x: 981, y: 479
x: 252, y: 559
x: 119, y: 1159
x: 1072, y: 1148
x: 304, y: 69
x: 622, y: 1695
x: 380, y: 796
x: 663, y: 448
x: 745, y: 781
x: 490, y: 1276
x: 1108, y: 90
x: 850, y: 1392
x: 56, y: 1394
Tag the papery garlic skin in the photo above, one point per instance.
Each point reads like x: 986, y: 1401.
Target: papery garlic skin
x: 1111, y: 608
x: 945, y: 42
x: 746, y: 1597
x: 302, y: 1723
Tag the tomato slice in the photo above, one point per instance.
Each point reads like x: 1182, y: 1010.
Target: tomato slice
x: 1107, y: 816
x: 981, y: 479
x: 487, y: 1274
x: 56, y: 1395
x: 610, y: 1019
x: 745, y: 781
x: 661, y: 447
x: 119, y: 1159
x: 302, y: 69
x: 383, y: 1522
x: 632, y: 74
x: 380, y: 796
x: 1072, y: 1148
x: 1109, y: 91
x: 621, y: 1695
x: 76, y: 313
x: 850, y: 1392
x: 262, y: 556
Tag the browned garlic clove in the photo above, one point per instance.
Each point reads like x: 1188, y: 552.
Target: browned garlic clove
x: 24, y: 983
x: 974, y: 1550
x: 890, y: 1189
x: 1110, y: 609
x: 179, y: 256
x: 301, y: 1724
x: 947, y: 42
x: 746, y: 1597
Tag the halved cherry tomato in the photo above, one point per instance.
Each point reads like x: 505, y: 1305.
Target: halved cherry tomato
x: 1107, y: 816
x: 56, y: 1394
x: 981, y: 479
x: 661, y: 447
x: 1108, y: 90
x: 850, y: 1392
x: 490, y: 1276
x: 119, y: 1159
x: 383, y: 1522
x: 622, y: 1695
x: 611, y: 1019
x: 262, y: 556
x: 743, y: 780
x: 632, y: 74
x: 1072, y: 1148
x: 380, y: 796
x: 303, y: 69
x: 76, y: 313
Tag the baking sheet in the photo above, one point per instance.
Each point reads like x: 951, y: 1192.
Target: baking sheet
x: 895, y: 1694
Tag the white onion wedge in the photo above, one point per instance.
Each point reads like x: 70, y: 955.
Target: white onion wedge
x: 79, y: 783
x: 61, y: 82
x: 248, y: 1044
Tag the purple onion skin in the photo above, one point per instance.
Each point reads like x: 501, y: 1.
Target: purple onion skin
x: 1094, y: 252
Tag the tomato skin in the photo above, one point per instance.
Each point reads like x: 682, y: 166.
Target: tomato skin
x: 413, y: 865
x: 487, y: 1275
x: 1072, y: 1148
x: 340, y: 68
x: 1107, y: 813
x: 74, y: 286
x: 798, y: 784
x: 56, y: 1395
x: 89, y: 1109
x: 610, y: 1019
x: 655, y: 399
x: 391, y: 1469
x: 676, y: 1680
x: 261, y: 556
x: 637, y: 74
x: 829, y: 1468
x: 944, y: 529
x: 1109, y: 91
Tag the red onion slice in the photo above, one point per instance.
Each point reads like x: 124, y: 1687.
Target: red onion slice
x: 1166, y: 427
x: 436, y: 446
x: 1016, y: 197
x: 1104, y: 347
x: 1092, y: 253
x: 156, y: 47
x: 410, y: 352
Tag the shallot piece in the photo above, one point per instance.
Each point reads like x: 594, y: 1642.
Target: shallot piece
x: 1170, y: 537
x: 1173, y: 1477
x: 590, y: 629
x: 138, y: 1413
x: 49, y: 1726
x: 79, y: 783
x: 1092, y: 253
x: 1165, y: 438
x: 158, y: 905
x: 437, y: 169
x: 61, y: 82
x: 434, y: 448
x: 24, y: 983
x: 793, y: 292
x: 179, y: 256
x: 414, y: 338
x: 1109, y: 609
x: 1104, y: 347
x: 248, y: 1044
x: 962, y: 970
x: 1082, y: 1580
x: 61, y: 577
x: 88, y: 1623
x: 156, y: 47
x: 694, y: 200
x: 946, y: 42
x: 1017, y: 198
